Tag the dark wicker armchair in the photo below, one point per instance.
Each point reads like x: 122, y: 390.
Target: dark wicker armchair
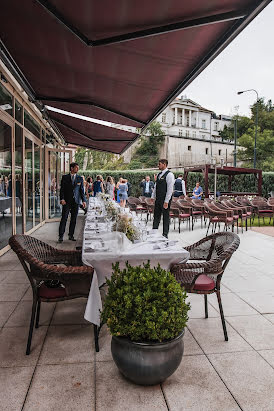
x: 211, y: 255
x: 47, y: 266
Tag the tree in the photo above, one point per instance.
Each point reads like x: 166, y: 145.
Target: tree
x: 265, y: 148
x: 147, y: 153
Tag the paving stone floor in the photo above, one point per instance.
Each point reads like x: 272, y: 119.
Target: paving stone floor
x: 63, y: 371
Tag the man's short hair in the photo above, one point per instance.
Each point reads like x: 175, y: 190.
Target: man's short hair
x: 163, y: 161
x: 72, y: 165
x: 180, y: 175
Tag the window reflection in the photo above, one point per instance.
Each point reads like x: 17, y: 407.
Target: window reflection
x: 5, y: 184
x: 6, y: 100
x: 31, y: 124
x: 18, y: 178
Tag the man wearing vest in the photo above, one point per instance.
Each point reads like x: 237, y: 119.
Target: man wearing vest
x: 163, y: 193
x: 179, y: 187
x: 72, y: 194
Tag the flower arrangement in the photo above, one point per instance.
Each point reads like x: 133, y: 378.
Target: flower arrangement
x: 125, y: 225
x: 111, y: 209
x: 103, y: 196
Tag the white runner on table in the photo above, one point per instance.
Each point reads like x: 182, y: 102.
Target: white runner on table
x: 102, y: 248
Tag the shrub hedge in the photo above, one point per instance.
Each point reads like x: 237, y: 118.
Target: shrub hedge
x: 244, y: 182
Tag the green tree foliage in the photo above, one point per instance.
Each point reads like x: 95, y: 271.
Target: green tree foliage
x: 246, y: 136
x: 147, y: 153
x: 145, y: 303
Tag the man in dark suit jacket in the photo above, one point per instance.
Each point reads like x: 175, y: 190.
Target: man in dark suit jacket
x: 147, y: 187
x: 72, y: 194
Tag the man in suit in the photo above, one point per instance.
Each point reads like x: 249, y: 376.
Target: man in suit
x: 147, y: 186
x: 179, y: 187
x: 163, y: 195
x: 72, y: 194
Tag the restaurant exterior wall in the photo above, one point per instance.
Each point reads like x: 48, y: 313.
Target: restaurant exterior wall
x: 32, y: 160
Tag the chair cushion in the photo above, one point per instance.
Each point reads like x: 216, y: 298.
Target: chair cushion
x: 197, y: 213
x: 214, y: 219
x: 265, y: 211
x: 229, y: 219
x: 51, y: 293
x: 204, y: 283
x: 184, y: 215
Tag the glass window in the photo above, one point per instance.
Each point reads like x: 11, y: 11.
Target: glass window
x: 206, y: 150
x: 37, y: 184
x: 180, y: 132
x: 220, y: 152
x: 18, y: 178
x: 189, y: 148
x: 163, y: 117
x: 187, y: 133
x: 203, y: 124
x: 6, y: 100
x: 28, y: 184
x: 5, y: 184
x: 18, y: 112
x: 31, y: 124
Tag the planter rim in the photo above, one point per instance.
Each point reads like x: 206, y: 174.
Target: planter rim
x: 149, y: 343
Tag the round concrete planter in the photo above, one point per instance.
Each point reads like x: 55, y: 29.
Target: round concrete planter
x: 147, y: 363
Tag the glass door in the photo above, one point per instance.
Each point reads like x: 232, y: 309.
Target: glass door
x: 5, y: 183
x: 29, y: 185
x: 57, y: 164
x: 37, y: 185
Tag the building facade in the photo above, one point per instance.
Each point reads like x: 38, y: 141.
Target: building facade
x: 33, y: 158
x: 191, y: 135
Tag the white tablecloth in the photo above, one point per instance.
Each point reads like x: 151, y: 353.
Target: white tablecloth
x: 102, y: 249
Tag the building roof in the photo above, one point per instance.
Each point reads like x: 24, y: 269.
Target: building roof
x: 117, y: 61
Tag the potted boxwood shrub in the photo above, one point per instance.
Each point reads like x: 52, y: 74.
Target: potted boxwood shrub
x: 146, y: 312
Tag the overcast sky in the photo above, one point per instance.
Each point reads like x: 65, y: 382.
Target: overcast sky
x: 248, y: 62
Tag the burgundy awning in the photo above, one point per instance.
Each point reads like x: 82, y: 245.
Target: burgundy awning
x: 119, y: 61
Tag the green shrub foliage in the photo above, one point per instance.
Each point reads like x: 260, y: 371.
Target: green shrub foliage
x: 244, y: 182
x: 144, y: 303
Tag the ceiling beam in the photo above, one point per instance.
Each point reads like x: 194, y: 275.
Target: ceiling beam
x: 153, y: 31
x: 61, y: 19
x: 88, y: 103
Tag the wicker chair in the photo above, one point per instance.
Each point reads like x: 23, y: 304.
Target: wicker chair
x: 211, y: 255
x: 150, y: 203
x: 46, y: 265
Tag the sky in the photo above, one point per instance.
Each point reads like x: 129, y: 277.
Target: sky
x: 247, y: 63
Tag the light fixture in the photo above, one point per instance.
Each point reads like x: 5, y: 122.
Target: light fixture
x: 3, y: 78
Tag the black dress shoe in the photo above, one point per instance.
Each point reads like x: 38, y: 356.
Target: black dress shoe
x: 72, y: 238
x: 85, y: 211
x: 60, y: 239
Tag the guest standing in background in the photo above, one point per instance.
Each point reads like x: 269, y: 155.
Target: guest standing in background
x: 98, y: 186
x: 123, y: 188
x: 179, y: 187
x: 147, y: 187
x: 72, y: 194
x: 118, y: 191
x: 110, y: 187
x: 163, y: 194
x: 88, y: 188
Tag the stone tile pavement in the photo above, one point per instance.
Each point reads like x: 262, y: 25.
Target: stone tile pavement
x: 64, y: 372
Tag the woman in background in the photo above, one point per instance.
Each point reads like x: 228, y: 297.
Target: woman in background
x: 88, y: 188
x: 118, y: 191
x: 110, y: 187
x: 123, y: 188
x: 98, y: 186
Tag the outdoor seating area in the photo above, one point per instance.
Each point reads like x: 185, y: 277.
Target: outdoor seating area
x: 213, y: 372
x: 233, y: 212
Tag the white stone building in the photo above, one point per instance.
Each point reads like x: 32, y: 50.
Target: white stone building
x: 191, y: 135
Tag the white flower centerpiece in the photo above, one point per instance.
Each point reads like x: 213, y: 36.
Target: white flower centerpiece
x: 124, y: 224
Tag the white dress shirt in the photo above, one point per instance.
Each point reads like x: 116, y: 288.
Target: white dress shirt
x: 170, y: 183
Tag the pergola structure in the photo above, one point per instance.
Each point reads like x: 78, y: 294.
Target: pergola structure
x: 207, y: 169
x: 117, y: 61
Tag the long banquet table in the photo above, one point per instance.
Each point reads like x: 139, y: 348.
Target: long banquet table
x: 102, y: 248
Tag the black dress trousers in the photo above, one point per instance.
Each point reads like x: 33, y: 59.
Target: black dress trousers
x: 71, y: 208
x: 158, y: 211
